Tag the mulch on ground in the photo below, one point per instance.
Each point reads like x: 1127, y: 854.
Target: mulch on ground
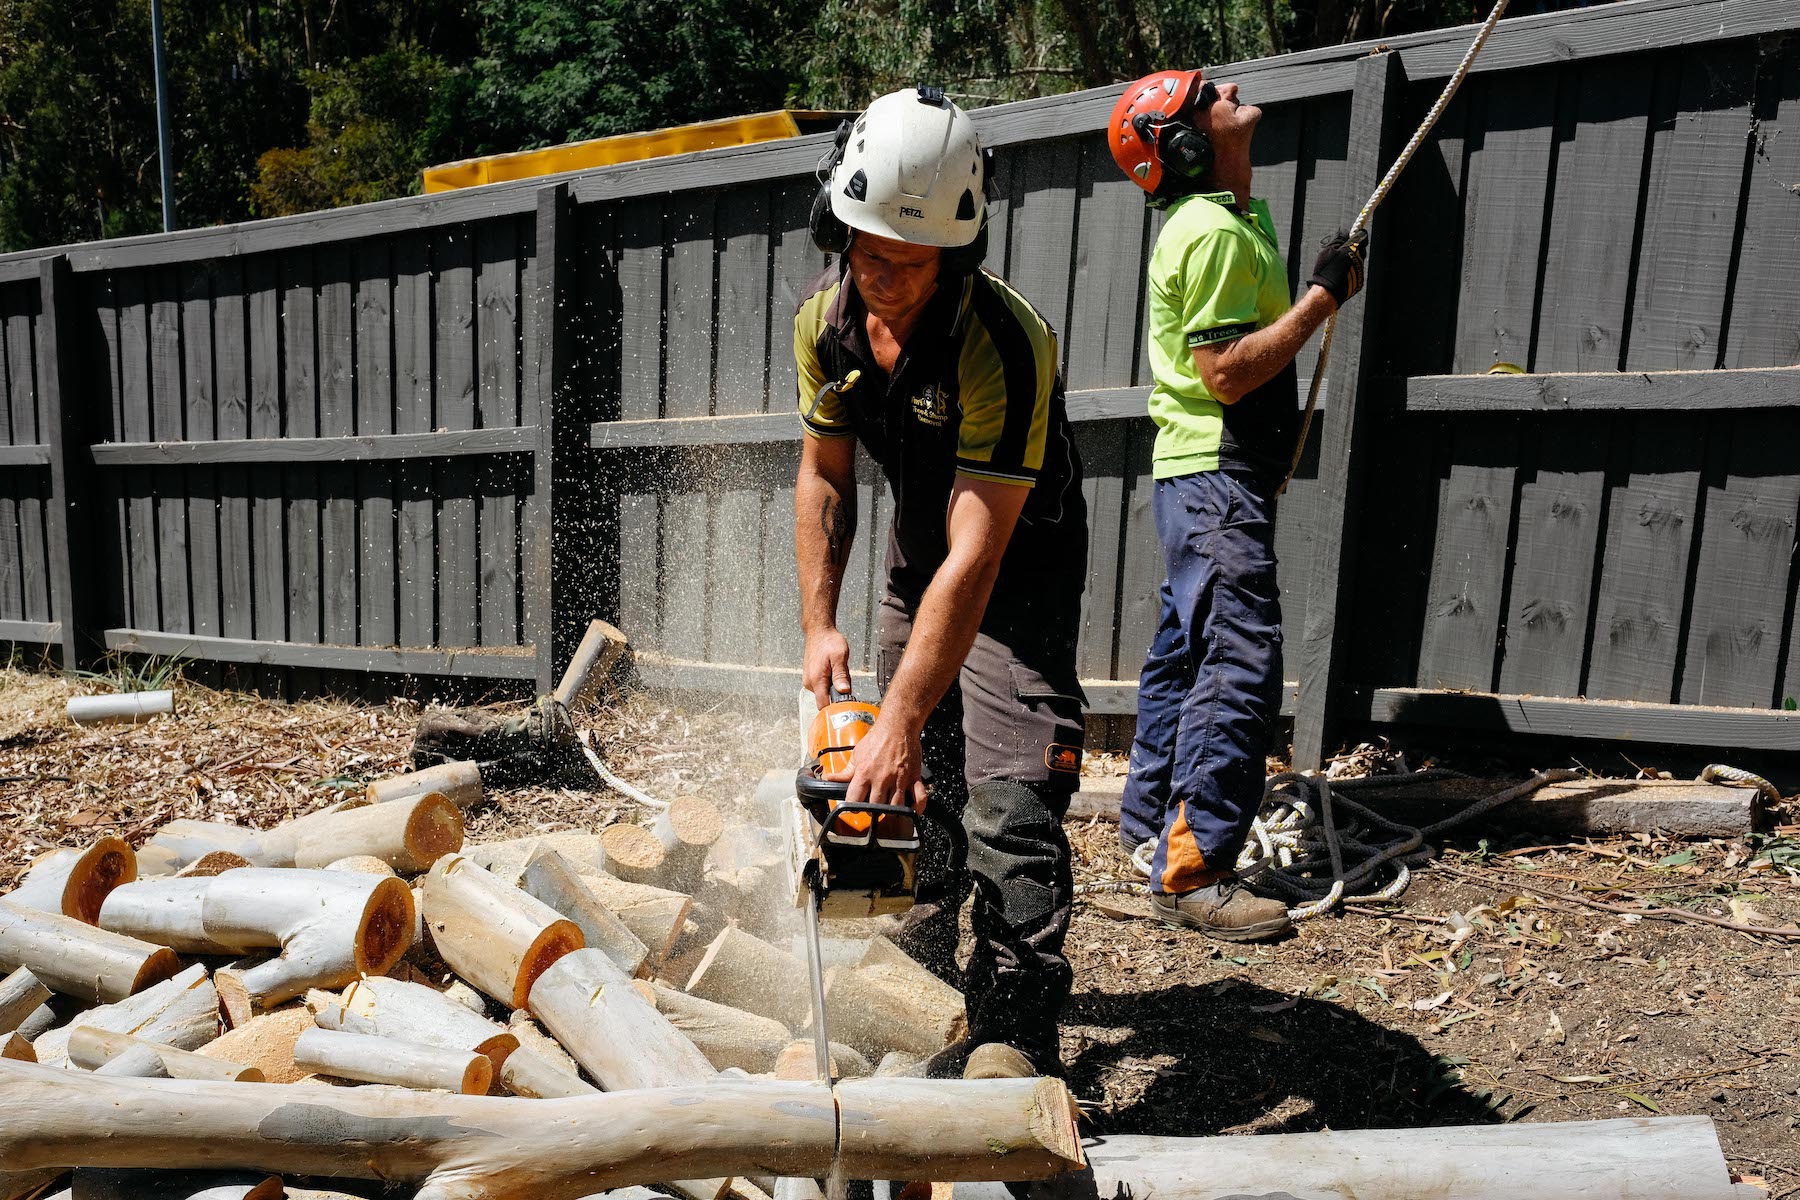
x: 1487, y: 994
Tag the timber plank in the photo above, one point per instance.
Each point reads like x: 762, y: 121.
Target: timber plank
x: 374, y: 299
x: 1141, y: 569
x: 300, y: 412
x: 498, y: 662
x: 1765, y: 331
x: 1102, y: 449
x: 1468, y: 561
x: 321, y: 450
x: 640, y: 276
x: 267, y: 516
x: 199, y: 362
x: 415, y: 526
x: 795, y: 263
x: 1738, y: 614
x: 1045, y: 180
x: 1275, y: 159
x: 1608, y: 720
x: 134, y: 406
x: 1602, y: 120
x: 31, y: 489
x: 1505, y: 200
x: 782, y: 644
x: 1643, y: 579
x: 111, y: 517
x: 640, y: 548
x: 1320, y: 208
x: 1106, y: 291
x: 1561, y: 520
x: 1696, y: 175
x: 734, y: 625
x: 1419, y: 336
x: 744, y: 299
x: 688, y: 346
x: 497, y: 359
x: 168, y: 420
x: 453, y: 373
x: 231, y: 372
x: 12, y: 592
x: 338, y: 540
x: 687, y: 579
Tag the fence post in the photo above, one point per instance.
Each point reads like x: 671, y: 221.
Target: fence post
x: 555, y: 237
x: 71, y: 504
x: 1373, y: 108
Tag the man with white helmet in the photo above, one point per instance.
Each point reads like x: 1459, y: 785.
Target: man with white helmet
x: 950, y: 380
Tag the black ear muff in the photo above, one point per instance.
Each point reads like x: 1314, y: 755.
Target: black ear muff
x: 1186, y: 151
x: 828, y: 233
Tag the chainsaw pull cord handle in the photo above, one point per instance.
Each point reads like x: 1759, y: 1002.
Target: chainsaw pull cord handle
x: 1368, y: 212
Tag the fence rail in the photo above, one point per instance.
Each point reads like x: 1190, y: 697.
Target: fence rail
x: 432, y: 436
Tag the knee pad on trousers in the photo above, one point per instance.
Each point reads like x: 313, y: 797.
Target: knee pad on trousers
x: 1016, y: 845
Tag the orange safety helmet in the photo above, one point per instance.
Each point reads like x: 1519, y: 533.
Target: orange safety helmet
x: 1152, y: 131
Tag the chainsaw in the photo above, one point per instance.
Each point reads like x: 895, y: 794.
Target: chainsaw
x: 849, y: 859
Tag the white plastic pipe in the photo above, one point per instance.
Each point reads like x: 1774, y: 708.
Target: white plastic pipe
x: 126, y: 707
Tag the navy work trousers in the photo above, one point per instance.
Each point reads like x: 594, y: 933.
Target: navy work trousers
x: 1211, y: 686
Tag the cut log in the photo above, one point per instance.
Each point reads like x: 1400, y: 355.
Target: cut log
x: 361, y: 864
x: 265, y: 1042
x: 74, y: 882
x: 600, y: 647
x: 17, y: 1048
x: 109, y: 1053
x: 182, y: 1012
x: 1654, y: 1158
x: 590, y: 1007
x: 747, y: 972
x: 20, y: 994
x: 686, y: 829
x: 483, y: 1148
x: 80, y: 960
x: 633, y: 853
x: 128, y: 708
x: 179, y: 843
x: 331, y: 926
x: 550, y: 877
x: 466, y: 996
x: 458, y: 782
x: 371, y: 1059
x: 889, y: 1002
x: 655, y: 916
x: 216, y: 863
x: 506, y: 860
x: 409, y: 835
x: 729, y: 1037
x: 411, y: 1012
x: 99, y: 1183
x: 275, y: 847
x: 744, y: 877
x: 800, y: 1060
x: 495, y: 936
x: 540, y: 1069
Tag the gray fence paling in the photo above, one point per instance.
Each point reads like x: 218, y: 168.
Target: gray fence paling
x: 432, y: 436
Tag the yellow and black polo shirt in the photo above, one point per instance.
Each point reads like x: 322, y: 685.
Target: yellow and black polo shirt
x: 976, y: 391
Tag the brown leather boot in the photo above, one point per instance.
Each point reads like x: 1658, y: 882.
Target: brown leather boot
x: 1226, y: 910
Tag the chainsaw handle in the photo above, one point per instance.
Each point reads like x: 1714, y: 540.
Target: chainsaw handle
x: 876, y: 811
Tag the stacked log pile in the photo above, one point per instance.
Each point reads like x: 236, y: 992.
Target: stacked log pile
x: 362, y: 965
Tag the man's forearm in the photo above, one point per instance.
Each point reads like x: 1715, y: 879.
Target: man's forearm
x: 824, y: 527
x: 1252, y: 360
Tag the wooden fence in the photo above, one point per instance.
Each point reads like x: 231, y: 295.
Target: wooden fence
x: 432, y: 436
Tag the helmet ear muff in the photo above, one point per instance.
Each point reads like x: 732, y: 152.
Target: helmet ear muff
x: 829, y: 233
x: 1185, y: 151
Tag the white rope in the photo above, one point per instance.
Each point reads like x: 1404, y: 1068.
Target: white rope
x: 1715, y: 771
x: 613, y: 781
x: 1368, y: 212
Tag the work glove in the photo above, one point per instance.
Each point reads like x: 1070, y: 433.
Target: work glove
x: 1339, y: 267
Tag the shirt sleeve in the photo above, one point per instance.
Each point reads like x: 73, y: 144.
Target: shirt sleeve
x: 823, y: 416
x: 1007, y: 378
x: 1217, y: 287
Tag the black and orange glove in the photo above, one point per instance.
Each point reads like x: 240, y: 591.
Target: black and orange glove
x: 1339, y: 267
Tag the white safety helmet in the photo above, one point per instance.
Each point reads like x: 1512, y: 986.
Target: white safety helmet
x: 910, y: 168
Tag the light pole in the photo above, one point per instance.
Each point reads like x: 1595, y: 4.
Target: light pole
x: 163, y: 155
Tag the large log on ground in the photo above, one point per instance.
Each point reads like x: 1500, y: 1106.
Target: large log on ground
x: 551, y: 878
x: 1649, y: 1158
x: 20, y: 994
x: 494, y: 936
x: 458, y: 782
x: 108, y: 1053
x: 488, y: 1148
x: 79, y: 960
x: 590, y: 1006
x: 74, y: 882
x: 372, y: 1059
x: 411, y: 1012
x: 331, y: 927
x: 727, y: 1036
x: 101, y: 1183
x: 182, y: 1011
x: 889, y: 1002
x: 746, y: 972
x: 408, y: 835
x: 633, y: 854
x: 181, y: 842
x: 686, y: 829
x: 655, y: 916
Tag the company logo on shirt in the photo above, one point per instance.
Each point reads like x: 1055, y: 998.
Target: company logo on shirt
x: 929, y: 407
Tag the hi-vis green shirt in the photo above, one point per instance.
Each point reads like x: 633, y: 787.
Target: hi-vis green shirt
x: 1215, y: 275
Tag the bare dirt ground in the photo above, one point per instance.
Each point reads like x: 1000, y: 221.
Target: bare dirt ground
x: 1546, y: 1011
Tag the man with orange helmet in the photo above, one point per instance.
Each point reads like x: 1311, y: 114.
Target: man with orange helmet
x: 1223, y: 336
x: 950, y: 380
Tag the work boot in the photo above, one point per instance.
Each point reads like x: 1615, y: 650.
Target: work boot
x: 1226, y: 910
x: 997, y: 1060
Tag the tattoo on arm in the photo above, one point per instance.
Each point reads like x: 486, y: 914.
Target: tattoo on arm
x: 834, y: 519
